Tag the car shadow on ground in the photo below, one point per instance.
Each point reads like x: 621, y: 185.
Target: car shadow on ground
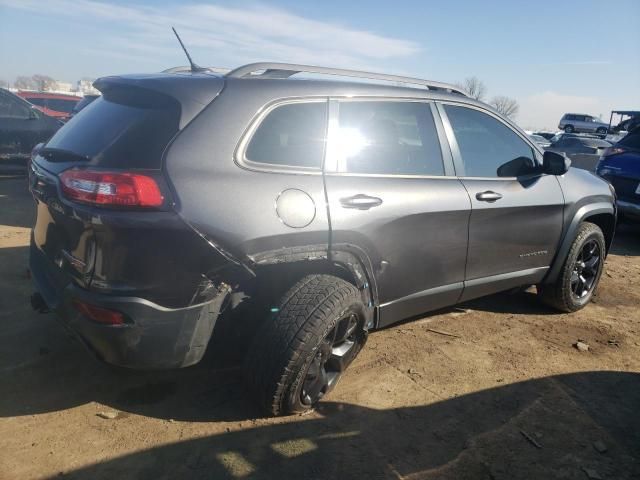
x: 544, y: 428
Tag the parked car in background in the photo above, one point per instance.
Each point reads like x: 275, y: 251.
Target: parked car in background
x: 620, y: 165
x: 55, y: 105
x: 580, y: 122
x: 541, y: 141
x: 627, y: 120
x: 22, y: 126
x: 584, y: 151
x: 546, y: 135
x: 86, y: 100
x: 561, y: 135
x: 570, y: 145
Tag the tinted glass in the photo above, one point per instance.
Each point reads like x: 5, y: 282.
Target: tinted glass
x: 40, y: 102
x: 485, y: 143
x: 11, y: 107
x: 632, y: 140
x: 292, y: 135
x: 118, y: 135
x: 60, y: 105
x: 392, y: 138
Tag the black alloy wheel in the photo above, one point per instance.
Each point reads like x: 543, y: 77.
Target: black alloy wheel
x: 333, y: 356
x: 585, y: 269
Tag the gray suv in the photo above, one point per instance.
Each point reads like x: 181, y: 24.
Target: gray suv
x: 325, y: 209
x: 581, y: 123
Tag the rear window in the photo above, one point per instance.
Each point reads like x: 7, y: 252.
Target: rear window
x: 632, y: 140
x: 115, y: 133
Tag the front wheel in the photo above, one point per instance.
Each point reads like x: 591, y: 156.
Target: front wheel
x: 601, y: 131
x: 581, y: 271
x: 568, y: 129
x: 299, y: 355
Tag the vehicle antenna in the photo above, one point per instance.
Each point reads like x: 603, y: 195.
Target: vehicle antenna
x: 195, y: 68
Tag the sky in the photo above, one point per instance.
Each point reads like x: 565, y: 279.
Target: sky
x: 553, y: 57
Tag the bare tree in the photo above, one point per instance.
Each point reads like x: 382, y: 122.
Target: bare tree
x: 24, y: 83
x: 44, y: 82
x: 506, y: 106
x: 474, y: 87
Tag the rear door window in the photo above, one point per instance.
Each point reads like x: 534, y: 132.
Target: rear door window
x: 291, y: 135
x: 484, y: 142
x: 387, y: 138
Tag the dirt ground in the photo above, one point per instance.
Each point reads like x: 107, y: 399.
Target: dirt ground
x: 507, y: 397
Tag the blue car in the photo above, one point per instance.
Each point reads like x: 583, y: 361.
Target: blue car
x: 620, y: 165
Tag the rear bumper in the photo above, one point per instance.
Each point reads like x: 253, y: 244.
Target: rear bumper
x: 156, y: 337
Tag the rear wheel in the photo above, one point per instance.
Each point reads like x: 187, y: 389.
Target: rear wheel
x: 569, y: 129
x: 580, y: 273
x: 299, y: 355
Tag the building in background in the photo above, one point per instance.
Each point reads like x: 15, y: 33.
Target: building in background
x: 85, y: 87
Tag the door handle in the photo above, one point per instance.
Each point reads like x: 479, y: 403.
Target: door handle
x: 360, y: 202
x: 488, y: 196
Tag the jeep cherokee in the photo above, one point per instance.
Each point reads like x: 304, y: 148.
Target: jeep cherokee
x: 333, y: 207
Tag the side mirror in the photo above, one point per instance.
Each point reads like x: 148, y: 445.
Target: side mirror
x: 34, y: 114
x: 517, y: 167
x: 554, y: 163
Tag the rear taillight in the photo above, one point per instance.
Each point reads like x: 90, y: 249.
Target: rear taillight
x: 99, y: 314
x: 609, y: 151
x: 118, y: 189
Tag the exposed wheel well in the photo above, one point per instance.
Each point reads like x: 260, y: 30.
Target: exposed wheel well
x: 607, y: 224
x: 253, y: 299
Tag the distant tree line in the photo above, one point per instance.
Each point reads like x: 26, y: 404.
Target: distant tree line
x: 35, y: 82
x: 476, y: 89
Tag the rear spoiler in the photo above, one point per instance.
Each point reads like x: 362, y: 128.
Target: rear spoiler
x: 192, y: 92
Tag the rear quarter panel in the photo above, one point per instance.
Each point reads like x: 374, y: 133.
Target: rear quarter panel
x: 232, y: 206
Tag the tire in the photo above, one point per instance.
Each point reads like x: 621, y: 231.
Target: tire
x: 601, y: 131
x: 320, y: 319
x: 569, y: 293
x: 569, y: 129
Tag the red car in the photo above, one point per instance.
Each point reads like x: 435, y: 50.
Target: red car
x: 53, y: 104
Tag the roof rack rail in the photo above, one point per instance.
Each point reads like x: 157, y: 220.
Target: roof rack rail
x: 286, y: 70
x: 187, y: 68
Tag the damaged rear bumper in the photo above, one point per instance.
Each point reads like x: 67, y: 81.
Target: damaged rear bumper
x: 153, y: 337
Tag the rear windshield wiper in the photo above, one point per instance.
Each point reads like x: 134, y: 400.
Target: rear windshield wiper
x: 62, y: 155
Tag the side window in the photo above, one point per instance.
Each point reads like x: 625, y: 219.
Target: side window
x: 291, y: 135
x: 570, y: 117
x: 12, y: 107
x: 391, y: 138
x: 487, y: 144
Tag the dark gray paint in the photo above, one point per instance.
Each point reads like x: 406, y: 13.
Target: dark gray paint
x: 415, y: 241
x: 423, y: 242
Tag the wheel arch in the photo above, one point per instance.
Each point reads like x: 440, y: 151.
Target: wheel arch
x: 603, y: 214
x: 287, y: 265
